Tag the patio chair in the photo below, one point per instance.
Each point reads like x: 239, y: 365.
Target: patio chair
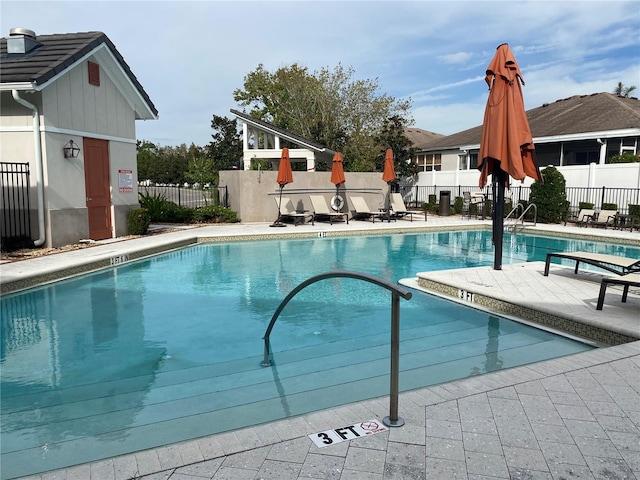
x: 605, y: 218
x: 628, y: 280
x: 611, y: 263
x: 321, y: 210
x: 362, y: 212
x: 398, y: 208
x: 582, y: 217
x: 287, y: 210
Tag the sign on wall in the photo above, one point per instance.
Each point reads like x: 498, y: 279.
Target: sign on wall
x: 125, y: 180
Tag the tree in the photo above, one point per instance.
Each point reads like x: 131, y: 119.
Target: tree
x: 623, y: 91
x: 164, y: 164
x: 392, y: 136
x: 328, y: 107
x: 146, y: 153
x: 225, y: 148
x: 550, y: 196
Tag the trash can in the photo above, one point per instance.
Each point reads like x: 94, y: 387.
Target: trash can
x: 444, y: 209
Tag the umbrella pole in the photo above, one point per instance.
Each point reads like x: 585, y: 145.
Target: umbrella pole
x: 498, y: 217
x: 386, y: 203
x: 278, y: 223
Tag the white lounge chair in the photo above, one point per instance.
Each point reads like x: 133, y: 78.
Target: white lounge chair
x: 611, y: 263
x: 287, y: 210
x: 582, y: 218
x: 321, y: 210
x: 398, y: 208
x: 605, y: 218
x: 362, y: 211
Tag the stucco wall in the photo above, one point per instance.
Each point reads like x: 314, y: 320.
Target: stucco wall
x: 252, y: 194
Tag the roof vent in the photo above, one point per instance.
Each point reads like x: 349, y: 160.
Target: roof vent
x: 21, y: 40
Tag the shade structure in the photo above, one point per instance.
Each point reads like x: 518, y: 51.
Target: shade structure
x: 388, y: 175
x: 285, y: 176
x: 506, y: 145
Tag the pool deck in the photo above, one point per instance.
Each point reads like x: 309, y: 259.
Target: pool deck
x: 572, y: 417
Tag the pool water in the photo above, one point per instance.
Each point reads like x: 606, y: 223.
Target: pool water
x: 168, y: 349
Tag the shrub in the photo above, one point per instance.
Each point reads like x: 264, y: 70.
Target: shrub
x: 610, y: 206
x: 138, y: 221
x: 174, y: 213
x: 154, y: 204
x: 215, y: 214
x: 457, y: 205
x: 626, y: 157
x: 550, y: 196
x: 585, y: 206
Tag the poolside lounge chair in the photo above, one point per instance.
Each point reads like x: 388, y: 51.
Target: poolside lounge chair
x: 362, y: 212
x: 321, y: 210
x: 628, y: 280
x: 611, y: 263
x: 582, y: 217
x: 400, y: 210
x: 605, y: 218
x: 287, y: 210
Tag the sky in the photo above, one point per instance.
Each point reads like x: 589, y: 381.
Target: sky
x: 190, y: 56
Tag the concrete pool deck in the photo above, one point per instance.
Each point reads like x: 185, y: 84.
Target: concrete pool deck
x: 572, y: 417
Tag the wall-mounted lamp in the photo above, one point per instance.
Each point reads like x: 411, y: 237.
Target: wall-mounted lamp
x: 71, y: 150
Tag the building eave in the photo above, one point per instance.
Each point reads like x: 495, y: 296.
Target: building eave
x: 20, y: 86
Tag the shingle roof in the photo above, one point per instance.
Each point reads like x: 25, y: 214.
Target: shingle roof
x: 598, y: 112
x: 57, y: 53
x: 420, y: 138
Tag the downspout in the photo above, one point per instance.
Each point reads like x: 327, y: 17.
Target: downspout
x: 39, y: 175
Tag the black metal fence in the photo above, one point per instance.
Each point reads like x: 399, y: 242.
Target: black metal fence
x: 187, y: 196
x: 621, y: 197
x: 16, y: 205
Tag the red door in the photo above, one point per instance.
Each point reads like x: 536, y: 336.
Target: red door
x: 96, y: 179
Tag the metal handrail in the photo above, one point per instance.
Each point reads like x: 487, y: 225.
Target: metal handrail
x: 514, y: 209
x: 521, y: 217
x: 535, y: 213
x: 393, y: 420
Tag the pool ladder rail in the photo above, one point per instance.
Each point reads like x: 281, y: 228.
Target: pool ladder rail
x: 393, y: 420
x: 518, y: 223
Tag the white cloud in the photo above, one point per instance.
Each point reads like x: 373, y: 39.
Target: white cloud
x: 191, y: 55
x: 456, y: 58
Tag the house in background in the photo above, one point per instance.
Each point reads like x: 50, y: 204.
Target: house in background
x: 577, y: 135
x: 68, y: 106
x: 420, y: 140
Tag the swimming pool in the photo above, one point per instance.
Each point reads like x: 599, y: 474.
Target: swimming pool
x: 145, y: 354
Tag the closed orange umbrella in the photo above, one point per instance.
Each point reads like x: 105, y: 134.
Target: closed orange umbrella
x: 337, y: 178
x: 337, y: 170
x: 506, y: 140
x: 506, y: 145
x: 285, y: 176
x: 389, y: 173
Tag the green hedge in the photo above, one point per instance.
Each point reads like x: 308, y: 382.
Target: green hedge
x: 138, y: 221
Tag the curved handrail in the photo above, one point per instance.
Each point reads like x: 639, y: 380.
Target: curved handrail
x: 406, y: 294
x: 393, y: 420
